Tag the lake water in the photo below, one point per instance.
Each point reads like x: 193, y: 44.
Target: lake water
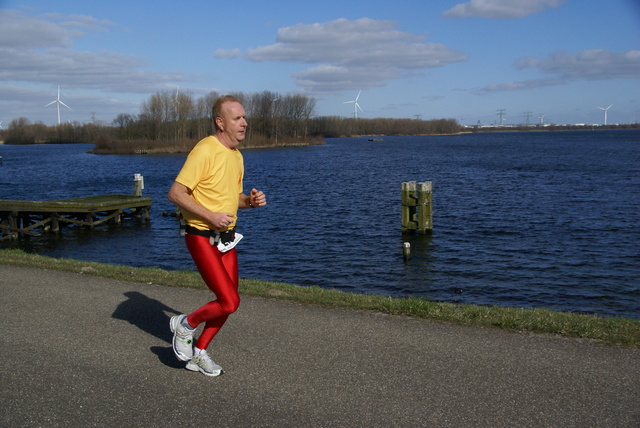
x: 546, y: 219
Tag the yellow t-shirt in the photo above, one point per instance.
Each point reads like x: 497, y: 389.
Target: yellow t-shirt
x: 214, y: 175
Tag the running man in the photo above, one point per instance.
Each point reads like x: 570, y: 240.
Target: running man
x: 208, y: 191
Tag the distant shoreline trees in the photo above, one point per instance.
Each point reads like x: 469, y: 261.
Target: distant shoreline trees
x: 174, y: 121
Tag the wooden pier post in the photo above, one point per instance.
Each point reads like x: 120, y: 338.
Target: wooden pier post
x: 55, y: 224
x: 417, y: 211
x: 409, y: 206
x: 406, y: 250
x: 138, y: 184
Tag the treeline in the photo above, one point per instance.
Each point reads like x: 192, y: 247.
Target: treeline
x: 335, y: 126
x: 22, y: 131
x: 175, y: 121
x: 177, y: 117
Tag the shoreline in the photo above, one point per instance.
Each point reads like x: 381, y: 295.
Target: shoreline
x: 178, y: 148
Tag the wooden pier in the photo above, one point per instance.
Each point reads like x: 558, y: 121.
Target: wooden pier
x: 32, y: 218
x: 417, y: 209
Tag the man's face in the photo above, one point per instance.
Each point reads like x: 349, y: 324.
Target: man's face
x: 232, y: 123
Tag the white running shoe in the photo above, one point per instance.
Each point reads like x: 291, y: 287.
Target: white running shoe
x: 182, y: 338
x: 201, y: 362
x: 229, y: 245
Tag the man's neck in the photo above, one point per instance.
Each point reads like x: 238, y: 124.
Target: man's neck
x: 226, y: 141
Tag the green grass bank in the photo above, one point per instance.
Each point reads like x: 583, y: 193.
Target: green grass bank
x: 613, y: 331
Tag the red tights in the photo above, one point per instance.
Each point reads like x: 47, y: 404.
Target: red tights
x: 220, y: 273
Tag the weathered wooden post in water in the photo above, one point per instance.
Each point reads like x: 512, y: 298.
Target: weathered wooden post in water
x: 417, y: 212
x: 138, y: 187
x: 138, y: 184
x: 406, y: 250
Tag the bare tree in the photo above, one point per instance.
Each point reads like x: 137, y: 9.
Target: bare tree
x: 184, y: 112
x: 203, y: 113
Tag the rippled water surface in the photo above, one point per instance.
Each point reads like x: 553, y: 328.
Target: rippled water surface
x: 545, y: 219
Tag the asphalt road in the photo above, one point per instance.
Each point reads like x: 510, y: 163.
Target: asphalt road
x: 84, y: 351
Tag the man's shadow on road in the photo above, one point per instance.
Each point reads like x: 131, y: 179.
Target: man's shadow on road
x: 149, y: 315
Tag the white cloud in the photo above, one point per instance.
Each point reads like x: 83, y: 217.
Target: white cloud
x: 519, y: 86
x: 500, y: 9
x: 79, y: 21
x: 227, y: 53
x: 37, y: 50
x: 594, y: 64
x: 353, y: 54
x: 327, y: 78
x: 19, y: 31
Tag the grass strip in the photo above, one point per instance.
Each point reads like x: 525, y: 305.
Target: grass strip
x: 610, y: 330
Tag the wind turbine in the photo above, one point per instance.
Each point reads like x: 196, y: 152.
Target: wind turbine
x: 605, y: 112
x: 175, y: 99
x: 57, y: 100
x: 356, y: 106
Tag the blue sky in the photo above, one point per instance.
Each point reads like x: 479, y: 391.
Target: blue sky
x: 457, y: 59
